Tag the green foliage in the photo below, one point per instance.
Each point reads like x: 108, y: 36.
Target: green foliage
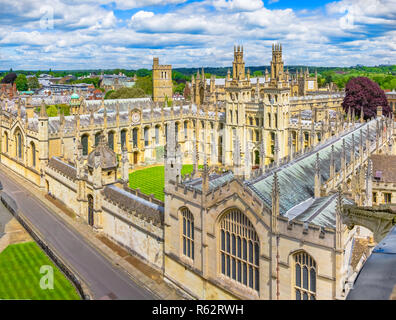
x: 126, y: 93
x: 257, y: 73
x: 180, y: 77
x: 20, y: 275
x: 152, y: 180
x: 54, y: 110
x: 179, y: 88
x: 143, y: 73
x: 146, y: 84
x: 21, y: 83
x: 33, y: 83
x: 108, y: 93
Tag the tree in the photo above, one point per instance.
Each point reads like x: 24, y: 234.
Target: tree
x: 21, y: 83
x: 363, y: 93
x: 33, y: 83
x: 179, y: 88
x: 9, y: 78
x: 146, y: 84
x: 257, y: 73
x: 126, y: 93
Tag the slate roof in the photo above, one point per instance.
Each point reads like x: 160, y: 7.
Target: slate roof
x: 130, y: 202
x: 321, y: 211
x: 63, y: 167
x: 386, y: 164
x: 296, y: 178
x: 215, y: 180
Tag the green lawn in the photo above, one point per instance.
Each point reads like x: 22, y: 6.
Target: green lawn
x: 152, y: 180
x: 20, y: 275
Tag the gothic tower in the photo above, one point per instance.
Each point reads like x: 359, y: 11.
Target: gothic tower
x: 162, y: 82
x: 238, y: 66
x: 276, y: 63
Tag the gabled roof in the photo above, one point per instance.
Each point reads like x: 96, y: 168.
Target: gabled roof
x: 296, y: 178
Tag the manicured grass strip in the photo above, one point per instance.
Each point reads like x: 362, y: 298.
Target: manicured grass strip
x: 152, y: 180
x: 20, y: 275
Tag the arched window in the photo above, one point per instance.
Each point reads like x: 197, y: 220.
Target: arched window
x: 305, y: 277
x: 19, y: 145
x: 110, y: 138
x: 185, y: 129
x: 306, y: 139
x: 157, y: 134
x: 33, y: 154
x: 135, y: 137
x: 84, y: 142
x: 188, y: 234
x: 239, y: 249
x: 123, y: 138
x: 97, y: 138
x: 146, y: 136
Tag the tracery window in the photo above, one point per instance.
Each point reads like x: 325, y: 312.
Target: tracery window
x: 305, y: 277
x: 239, y: 249
x: 188, y: 233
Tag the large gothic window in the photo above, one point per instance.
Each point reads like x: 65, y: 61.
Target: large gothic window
x: 305, y: 277
x: 239, y: 249
x: 188, y: 234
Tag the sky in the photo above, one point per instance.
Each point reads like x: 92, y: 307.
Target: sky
x: 104, y: 34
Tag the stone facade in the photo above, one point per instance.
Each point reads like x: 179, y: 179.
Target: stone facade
x: 263, y: 211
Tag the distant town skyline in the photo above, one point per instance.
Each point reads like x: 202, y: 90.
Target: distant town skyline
x: 102, y: 34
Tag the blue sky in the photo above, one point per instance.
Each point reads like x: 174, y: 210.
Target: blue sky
x: 81, y: 34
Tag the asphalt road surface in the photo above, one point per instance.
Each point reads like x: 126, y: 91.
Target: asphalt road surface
x: 98, y: 273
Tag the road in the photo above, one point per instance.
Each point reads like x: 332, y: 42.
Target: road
x: 103, y: 278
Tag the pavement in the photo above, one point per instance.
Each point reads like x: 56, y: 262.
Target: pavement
x: 108, y: 274
x: 11, y: 231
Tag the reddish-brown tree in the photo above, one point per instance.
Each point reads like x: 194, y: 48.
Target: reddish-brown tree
x: 363, y: 93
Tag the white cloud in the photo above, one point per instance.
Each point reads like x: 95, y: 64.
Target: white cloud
x: 238, y: 5
x: 88, y: 35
